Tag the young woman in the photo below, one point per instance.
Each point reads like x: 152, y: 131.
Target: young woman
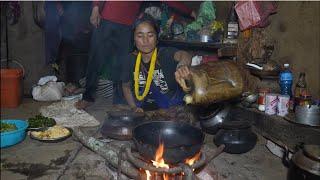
x: 149, y: 75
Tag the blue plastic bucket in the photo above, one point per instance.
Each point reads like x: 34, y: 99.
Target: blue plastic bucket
x: 14, y: 137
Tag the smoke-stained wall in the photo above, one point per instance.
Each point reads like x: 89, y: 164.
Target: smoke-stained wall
x: 296, y: 28
x: 26, y: 45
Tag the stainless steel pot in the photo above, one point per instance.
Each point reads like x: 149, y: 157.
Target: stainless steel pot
x: 309, y: 115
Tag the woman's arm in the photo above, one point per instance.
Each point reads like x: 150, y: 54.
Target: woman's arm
x: 129, y: 97
x: 183, y: 73
x: 183, y: 57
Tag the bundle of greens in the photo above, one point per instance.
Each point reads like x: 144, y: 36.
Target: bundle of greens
x: 6, y: 127
x: 40, y: 121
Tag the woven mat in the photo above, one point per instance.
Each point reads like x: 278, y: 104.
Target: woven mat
x: 65, y: 114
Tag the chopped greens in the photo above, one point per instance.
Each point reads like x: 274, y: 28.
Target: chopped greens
x: 40, y: 121
x: 6, y: 127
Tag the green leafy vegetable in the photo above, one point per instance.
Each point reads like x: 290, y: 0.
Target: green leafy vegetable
x: 40, y: 121
x: 6, y: 127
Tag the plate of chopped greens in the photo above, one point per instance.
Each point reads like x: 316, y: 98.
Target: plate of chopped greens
x: 39, y: 122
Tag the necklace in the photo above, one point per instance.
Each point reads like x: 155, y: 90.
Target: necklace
x: 149, y: 77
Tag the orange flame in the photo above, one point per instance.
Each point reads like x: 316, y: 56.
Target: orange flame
x: 148, y: 175
x: 193, y: 159
x: 159, y: 162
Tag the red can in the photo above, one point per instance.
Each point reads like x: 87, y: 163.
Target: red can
x: 283, y: 105
x: 271, y: 104
x: 262, y: 98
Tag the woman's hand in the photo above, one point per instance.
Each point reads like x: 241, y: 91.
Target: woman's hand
x: 183, y: 73
x: 95, y: 16
x: 137, y: 110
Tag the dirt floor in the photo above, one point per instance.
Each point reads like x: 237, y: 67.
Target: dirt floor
x: 32, y: 159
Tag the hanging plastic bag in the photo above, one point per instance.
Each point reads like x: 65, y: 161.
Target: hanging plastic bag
x: 254, y: 13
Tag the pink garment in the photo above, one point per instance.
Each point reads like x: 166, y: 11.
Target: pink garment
x: 254, y: 13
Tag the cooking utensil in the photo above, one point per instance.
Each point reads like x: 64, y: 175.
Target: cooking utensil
x: 264, y: 74
x: 236, y: 136
x: 52, y: 140
x: 13, y: 137
x: 309, y: 115
x: 304, y: 164
x: 212, y: 117
x: 181, y: 140
x: 118, y: 125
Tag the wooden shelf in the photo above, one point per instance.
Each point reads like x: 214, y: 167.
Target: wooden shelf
x: 191, y: 44
x: 222, y: 49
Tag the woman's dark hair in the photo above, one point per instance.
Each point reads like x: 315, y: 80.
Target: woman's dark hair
x: 148, y: 19
x: 144, y: 18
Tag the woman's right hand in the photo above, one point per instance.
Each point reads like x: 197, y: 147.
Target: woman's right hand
x: 95, y: 16
x: 183, y: 73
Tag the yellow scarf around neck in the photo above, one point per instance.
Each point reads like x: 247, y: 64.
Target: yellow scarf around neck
x: 149, y: 78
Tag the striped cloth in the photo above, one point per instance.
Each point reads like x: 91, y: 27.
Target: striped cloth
x: 104, y: 87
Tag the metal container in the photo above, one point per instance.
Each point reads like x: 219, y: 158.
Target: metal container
x: 309, y: 115
x: 237, y: 137
x: 205, y: 38
x: 262, y: 98
x: 271, y: 104
x: 305, y: 164
x: 283, y: 105
x: 119, y: 125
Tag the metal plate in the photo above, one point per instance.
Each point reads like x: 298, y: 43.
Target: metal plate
x: 54, y: 140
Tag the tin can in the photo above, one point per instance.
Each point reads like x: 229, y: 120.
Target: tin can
x: 262, y: 98
x: 283, y: 105
x: 305, y: 99
x: 271, y: 104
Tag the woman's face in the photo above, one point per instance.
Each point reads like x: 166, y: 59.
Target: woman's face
x: 145, y: 38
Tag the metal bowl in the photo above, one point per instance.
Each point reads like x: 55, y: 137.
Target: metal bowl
x: 309, y: 115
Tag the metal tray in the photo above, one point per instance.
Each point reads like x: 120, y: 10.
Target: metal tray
x: 56, y: 140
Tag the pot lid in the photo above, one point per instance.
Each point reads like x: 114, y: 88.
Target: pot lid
x: 312, y: 151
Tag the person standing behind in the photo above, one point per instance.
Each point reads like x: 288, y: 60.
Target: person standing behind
x: 112, y: 38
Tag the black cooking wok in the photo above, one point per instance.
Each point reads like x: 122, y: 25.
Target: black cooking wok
x: 181, y: 140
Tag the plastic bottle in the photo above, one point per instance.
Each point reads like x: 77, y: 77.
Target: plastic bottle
x: 286, y: 79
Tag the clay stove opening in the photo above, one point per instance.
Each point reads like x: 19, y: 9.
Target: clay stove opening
x: 159, y: 162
